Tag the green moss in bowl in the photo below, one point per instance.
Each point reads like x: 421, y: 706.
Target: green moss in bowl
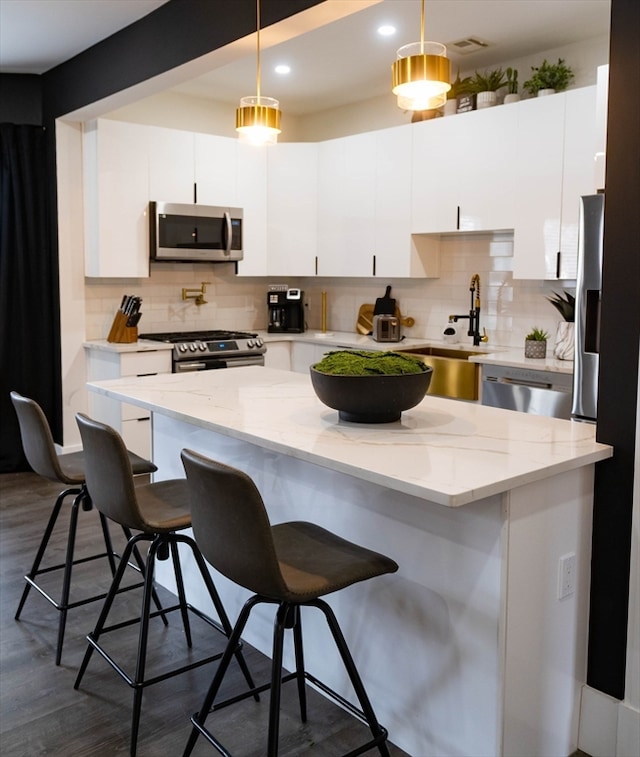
x: 368, y: 386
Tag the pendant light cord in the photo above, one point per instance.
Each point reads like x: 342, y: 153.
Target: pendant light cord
x: 422, y: 28
x: 258, y: 55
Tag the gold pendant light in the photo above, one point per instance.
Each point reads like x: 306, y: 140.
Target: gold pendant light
x: 421, y: 74
x: 258, y: 117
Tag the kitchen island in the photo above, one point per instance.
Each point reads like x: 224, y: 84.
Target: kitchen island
x: 475, y: 647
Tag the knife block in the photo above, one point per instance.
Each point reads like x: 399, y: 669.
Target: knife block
x: 120, y: 332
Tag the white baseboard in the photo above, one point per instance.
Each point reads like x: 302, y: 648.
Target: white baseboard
x: 608, y: 727
x: 628, y: 731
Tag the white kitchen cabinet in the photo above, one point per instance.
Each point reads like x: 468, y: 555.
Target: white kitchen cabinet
x: 346, y: 204
x: 555, y: 158
x: 434, y: 176
x: 132, y: 423
x: 397, y: 252
x: 171, y: 165
x: 216, y: 170
x: 252, y: 198
x: 304, y: 354
x: 292, y: 209
x: 578, y: 175
x: 278, y: 355
x: 116, y: 226
x: 463, y: 172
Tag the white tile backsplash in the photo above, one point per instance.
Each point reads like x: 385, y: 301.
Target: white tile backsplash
x: 509, y: 308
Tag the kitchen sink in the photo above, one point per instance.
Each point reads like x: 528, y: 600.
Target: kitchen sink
x: 453, y: 375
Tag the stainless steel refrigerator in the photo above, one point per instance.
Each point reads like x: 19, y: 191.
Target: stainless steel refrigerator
x: 587, y: 316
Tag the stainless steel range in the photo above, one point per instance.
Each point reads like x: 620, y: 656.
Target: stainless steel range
x: 210, y: 350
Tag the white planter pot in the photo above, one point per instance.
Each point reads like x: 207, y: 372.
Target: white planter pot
x: 450, y: 107
x: 511, y: 98
x: 545, y: 92
x: 564, y: 345
x: 486, y: 99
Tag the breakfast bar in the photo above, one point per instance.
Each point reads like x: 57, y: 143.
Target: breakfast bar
x: 477, y: 646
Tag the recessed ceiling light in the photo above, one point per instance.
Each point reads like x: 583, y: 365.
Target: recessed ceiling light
x: 387, y: 30
x: 282, y: 69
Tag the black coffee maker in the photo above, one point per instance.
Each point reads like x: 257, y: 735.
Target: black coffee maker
x: 286, y: 311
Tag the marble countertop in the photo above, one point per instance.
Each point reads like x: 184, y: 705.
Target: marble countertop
x: 490, y: 353
x: 142, y: 345
x: 446, y: 451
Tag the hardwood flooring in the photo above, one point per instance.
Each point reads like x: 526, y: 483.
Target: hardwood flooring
x: 42, y: 714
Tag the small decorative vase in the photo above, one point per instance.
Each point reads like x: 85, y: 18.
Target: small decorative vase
x: 564, y: 345
x: 451, y: 107
x: 486, y: 99
x: 533, y: 348
x: 514, y: 97
x: 545, y: 92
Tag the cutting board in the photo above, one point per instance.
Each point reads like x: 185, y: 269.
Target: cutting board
x: 364, y: 324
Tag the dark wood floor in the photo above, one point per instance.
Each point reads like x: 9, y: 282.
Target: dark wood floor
x: 41, y: 713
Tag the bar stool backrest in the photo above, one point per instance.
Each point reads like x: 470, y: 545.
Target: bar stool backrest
x: 231, y: 525
x: 37, y: 440
x: 108, y: 473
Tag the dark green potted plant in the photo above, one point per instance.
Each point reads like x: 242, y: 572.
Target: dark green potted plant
x: 535, y: 343
x: 564, y: 345
x: 486, y: 84
x: 458, y: 87
x: 549, y: 76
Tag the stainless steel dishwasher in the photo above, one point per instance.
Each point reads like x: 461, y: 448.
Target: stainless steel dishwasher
x: 529, y: 391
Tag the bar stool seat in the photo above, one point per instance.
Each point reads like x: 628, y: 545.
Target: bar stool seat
x: 290, y: 565
x: 67, y: 469
x: 157, y: 512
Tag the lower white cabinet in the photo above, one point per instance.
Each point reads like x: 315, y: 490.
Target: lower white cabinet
x: 278, y: 355
x: 131, y: 422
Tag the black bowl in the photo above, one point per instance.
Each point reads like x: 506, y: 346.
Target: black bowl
x: 371, y: 399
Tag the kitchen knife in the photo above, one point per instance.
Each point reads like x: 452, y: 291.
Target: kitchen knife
x: 385, y: 305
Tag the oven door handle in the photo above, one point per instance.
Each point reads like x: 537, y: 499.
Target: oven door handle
x: 184, y: 367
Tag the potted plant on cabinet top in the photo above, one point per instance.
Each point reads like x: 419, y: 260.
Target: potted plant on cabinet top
x: 535, y: 343
x: 458, y: 87
x: 549, y: 78
x: 486, y: 84
x: 565, y: 304
x: 512, y: 95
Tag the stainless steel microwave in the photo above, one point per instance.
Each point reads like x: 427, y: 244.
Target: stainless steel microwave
x: 195, y: 233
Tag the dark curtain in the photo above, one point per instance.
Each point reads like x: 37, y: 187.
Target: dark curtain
x: 29, y: 293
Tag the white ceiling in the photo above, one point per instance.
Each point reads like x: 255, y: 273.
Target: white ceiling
x: 343, y: 61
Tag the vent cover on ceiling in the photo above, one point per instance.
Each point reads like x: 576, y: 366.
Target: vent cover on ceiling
x: 468, y: 45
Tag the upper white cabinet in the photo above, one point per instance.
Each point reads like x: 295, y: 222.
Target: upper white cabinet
x: 216, y: 170
x: 292, y: 209
x: 252, y: 198
x: 116, y: 195
x: 463, y: 172
x: 554, y: 167
x: 346, y: 205
x: 171, y: 165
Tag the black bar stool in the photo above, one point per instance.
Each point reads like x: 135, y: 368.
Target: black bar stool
x: 40, y: 451
x: 157, y: 511
x: 290, y: 565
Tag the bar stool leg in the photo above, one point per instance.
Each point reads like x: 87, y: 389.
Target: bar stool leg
x: 199, y: 718
x: 297, y: 642
x: 219, y: 607
x: 141, y: 567
x: 143, y: 638
x: 43, y: 546
x: 66, y: 580
x: 281, y: 622
x: 182, y: 597
x: 354, y: 676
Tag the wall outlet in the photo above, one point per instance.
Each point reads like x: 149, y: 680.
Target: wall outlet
x: 566, y: 575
